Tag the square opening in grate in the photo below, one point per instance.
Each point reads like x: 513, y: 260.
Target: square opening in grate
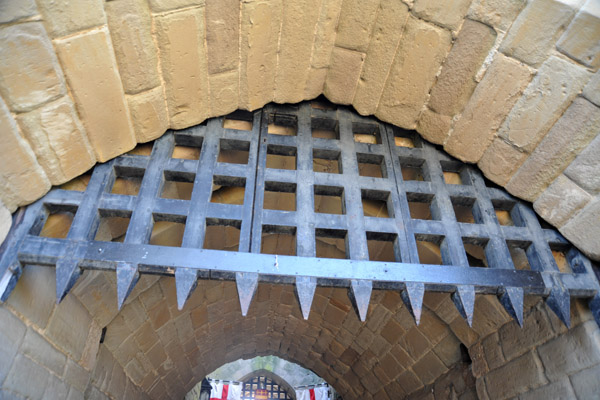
x: 280, y: 196
x: 279, y: 240
x: 372, y: 165
x: 325, y: 128
x: 233, y: 151
x: 507, y: 214
x: 366, y: 133
x: 142, y: 149
x: 187, y: 146
x: 113, y: 226
x: 222, y: 234
x: 329, y: 200
x: 404, y: 138
x: 429, y: 248
x: 331, y: 243
x: 239, y: 120
x: 455, y: 173
x: 383, y: 247
x: 559, y: 252
x: 167, y: 230
x: 127, y: 181
x: 413, y: 169
x: 328, y: 161
x: 177, y: 185
x: 420, y: 206
x: 376, y: 203
x: 282, y: 124
x: 519, y: 253
x: 228, y: 190
x: 475, y: 249
x: 58, y: 222
x: 281, y: 157
x: 78, y: 184
x: 465, y: 210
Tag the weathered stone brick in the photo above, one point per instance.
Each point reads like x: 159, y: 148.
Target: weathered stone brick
x: 33, y: 297
x: 387, y: 31
x: 166, y: 5
x: 591, y: 91
x: 516, y: 340
x: 495, y: 95
x: 497, y: 13
x: 584, y: 229
x: 75, y: 394
x: 448, y: 350
x: 560, y: 201
x: 429, y: 368
x: 56, y: 388
x: 355, y: 25
x: 456, y: 82
x: 224, y: 92
x: 343, y: 75
x: 580, y: 41
x: 130, y: 26
x: 38, y: 349
x: 434, y: 127
x: 500, y: 161
x: 449, y: 14
x: 537, y: 28
x: 12, y: 331
x: 584, y: 169
x: 183, y: 64
x: 29, y: 74
x: 524, y: 374
x: 69, y: 327
x: 420, y: 53
x: 91, y: 72
x: 222, y: 36
x: 5, y: 222
x: 98, y: 294
x: 14, y: 10
x: 409, y: 381
x: 22, y: 180
x: 586, y: 383
x: 26, y: 378
x: 148, y: 112
x: 76, y: 376
x: 63, y: 17
x: 560, y: 389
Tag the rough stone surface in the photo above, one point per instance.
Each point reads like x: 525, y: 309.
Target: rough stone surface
x: 569, y: 136
x: 586, y: 384
x: 130, y: 27
x: 35, y: 347
x: 500, y: 161
x: 418, y: 59
x: 355, y: 26
x: 224, y: 92
x: 69, y: 326
x: 495, y: 95
x: 449, y: 14
x: 15, y: 10
x: 148, y: 114
x: 433, y: 126
x: 537, y: 28
x: 166, y: 5
x: 12, y: 331
x: 560, y: 201
x: 559, y: 390
x: 456, y: 82
x: 584, y: 169
x: 497, y: 13
x: 63, y: 17
x: 183, y: 63
x: 584, y: 229
x: 29, y: 74
x: 343, y: 75
x: 387, y: 32
x: 324, y: 38
x: 591, y: 91
x: 91, y: 72
x: 5, y: 222
x: 33, y: 296
x: 26, y: 378
x: 222, y: 35
x: 524, y: 373
x: 58, y: 140
x: 580, y: 41
x: 547, y: 96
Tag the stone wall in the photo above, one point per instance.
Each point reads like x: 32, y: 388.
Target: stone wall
x: 507, y: 84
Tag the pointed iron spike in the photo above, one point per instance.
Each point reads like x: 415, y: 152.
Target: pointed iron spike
x: 127, y: 277
x: 361, y: 293
x: 595, y: 308
x: 413, y: 298
x: 67, y: 272
x: 247, y: 283
x: 512, y: 300
x: 559, y: 301
x: 186, y: 280
x: 305, y: 287
x: 464, y: 300
x: 9, y: 280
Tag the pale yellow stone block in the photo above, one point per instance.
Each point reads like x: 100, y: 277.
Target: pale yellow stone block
x: 343, y: 75
x: 497, y: 13
x: 315, y: 82
x: 5, y: 222
x: 560, y: 201
x: 63, y: 17
x: 500, y: 161
x: 224, y: 92
x: 433, y: 126
x: 583, y: 229
x: 158, y: 6
x: 357, y: 18
x: 325, y: 33
x: 91, y: 70
x: 222, y: 35
x: 29, y: 72
x: 183, y: 61
x: 13, y: 10
x: 148, y: 114
x: 591, y: 91
x: 581, y: 41
x: 448, y: 13
x: 422, y: 50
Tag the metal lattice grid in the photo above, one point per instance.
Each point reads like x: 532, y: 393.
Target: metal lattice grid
x: 366, y: 160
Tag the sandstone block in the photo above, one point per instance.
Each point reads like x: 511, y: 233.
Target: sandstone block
x: 75, y: 394
x: 343, y: 74
x: 569, y: 136
x: 76, y: 376
x: 58, y: 140
x: 63, y: 17
x: 91, y: 72
x: 429, y: 368
x: 69, y: 327
x: 560, y: 201
x: 456, y: 82
x: 130, y: 26
x: 325, y: 34
x: 585, y: 383
x: 260, y: 29
x: 536, y: 29
x: 591, y: 91
x: 315, y: 82
x: 295, y: 48
x: 5, y: 222
x: 35, y: 294
x: 584, y: 229
x: 523, y: 373
x: 387, y: 31
x: 97, y: 293
x: 420, y: 53
x: 26, y: 378
x: 56, y: 388
x: 355, y: 24
x: 560, y: 389
x: 12, y: 331
x: 449, y: 14
x: 584, y: 169
x: 580, y: 41
x: 495, y: 95
x: 13, y: 10
x: 35, y: 347
x: 29, y: 73
x: 222, y: 35
x: 22, y: 180
x: 166, y: 5
x: 515, y: 340
x: 500, y: 161
x: 547, y: 96
x: 448, y: 350
x: 433, y: 126
x: 497, y: 13
x: 148, y: 114
x: 183, y: 62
